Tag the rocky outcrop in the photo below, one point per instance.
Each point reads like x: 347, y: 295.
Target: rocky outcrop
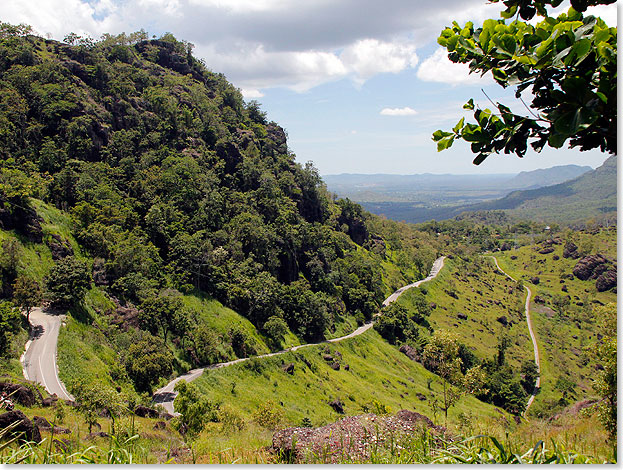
x: 410, y: 352
x: 570, y: 250
x: 23, y: 427
x: 146, y: 412
x: 607, y: 280
x: 591, y: 267
x: 353, y: 436
x: 59, y: 247
x: 19, y: 394
x: 44, y: 425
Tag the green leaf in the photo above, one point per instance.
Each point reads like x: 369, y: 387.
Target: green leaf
x: 556, y: 140
x: 480, y: 158
x: 459, y: 126
x: 509, y: 12
x: 439, y: 134
x: 445, y: 143
x: 469, y: 104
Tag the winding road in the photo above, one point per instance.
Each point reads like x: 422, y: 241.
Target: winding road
x: 537, y: 360
x: 167, y: 394
x: 39, y: 358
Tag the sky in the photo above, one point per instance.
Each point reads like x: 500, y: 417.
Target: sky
x: 358, y: 85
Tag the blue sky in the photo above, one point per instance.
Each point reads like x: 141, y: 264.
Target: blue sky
x: 359, y: 85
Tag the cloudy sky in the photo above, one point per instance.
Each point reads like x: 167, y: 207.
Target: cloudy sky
x: 359, y: 85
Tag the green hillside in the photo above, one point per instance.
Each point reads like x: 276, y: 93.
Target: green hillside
x: 591, y: 195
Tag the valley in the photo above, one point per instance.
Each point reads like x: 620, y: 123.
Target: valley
x: 175, y: 287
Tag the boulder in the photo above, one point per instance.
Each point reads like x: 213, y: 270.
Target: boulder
x: 44, y: 425
x: 337, y: 405
x: 503, y: 320
x: 535, y: 280
x: 462, y: 316
x: 570, y: 250
x: 606, y: 280
x: 24, y: 428
x: 335, y: 366
x: 547, y: 250
x: 288, y: 368
x: 505, y: 246
x: 146, y: 412
x: 93, y: 435
x: 19, y: 393
x: 590, y: 267
x: 409, y: 351
x: 160, y: 425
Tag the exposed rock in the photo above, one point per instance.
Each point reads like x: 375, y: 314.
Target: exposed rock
x: 410, y: 352
x: 93, y: 435
x: 337, y: 405
x: 462, y: 316
x: 535, y: 280
x: 590, y: 267
x: 49, y: 401
x: 335, y: 366
x: 25, y: 429
x: 354, y: 436
x: 503, y: 320
x: 146, y: 412
x: 160, y: 425
x: 45, y: 425
x: 59, y: 247
x: 607, y: 280
x: 570, y: 250
x: 547, y: 250
x: 288, y: 368
x: 420, y: 396
x: 99, y: 273
x: 19, y: 393
x: 346, y: 367
x: 514, y: 257
x: 327, y: 357
x: 451, y: 293
x: 555, y: 257
x: 505, y: 246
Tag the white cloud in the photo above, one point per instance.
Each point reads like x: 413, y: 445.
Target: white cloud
x: 406, y: 111
x: 260, y: 44
x: 438, y: 68
x: 251, y: 93
x: 369, y: 57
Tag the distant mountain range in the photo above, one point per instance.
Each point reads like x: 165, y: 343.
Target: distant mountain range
x: 562, y: 193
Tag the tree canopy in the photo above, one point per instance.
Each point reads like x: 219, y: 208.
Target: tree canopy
x: 568, y: 64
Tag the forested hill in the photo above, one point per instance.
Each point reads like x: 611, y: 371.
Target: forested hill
x: 592, y: 194
x: 174, y: 183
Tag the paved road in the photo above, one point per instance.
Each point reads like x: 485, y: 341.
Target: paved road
x: 167, y: 394
x: 535, y: 346
x: 39, y: 359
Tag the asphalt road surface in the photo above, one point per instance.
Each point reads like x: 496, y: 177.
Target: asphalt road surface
x: 39, y: 359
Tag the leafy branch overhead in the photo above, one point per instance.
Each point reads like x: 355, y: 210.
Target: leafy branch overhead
x: 568, y: 64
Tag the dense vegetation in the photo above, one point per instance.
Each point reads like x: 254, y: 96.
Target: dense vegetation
x: 168, y: 184
x: 143, y: 196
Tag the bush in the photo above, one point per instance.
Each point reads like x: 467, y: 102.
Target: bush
x: 268, y: 415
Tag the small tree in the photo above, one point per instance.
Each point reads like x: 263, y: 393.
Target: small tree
x: 276, y: 328
x: 195, y: 411
x: 26, y: 293
x: 147, y: 360
x: 441, y: 356
x: 9, y: 323
x: 67, y: 282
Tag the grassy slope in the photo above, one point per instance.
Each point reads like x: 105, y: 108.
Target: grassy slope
x: 562, y: 340
x: 377, y: 372
x: 483, y: 295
